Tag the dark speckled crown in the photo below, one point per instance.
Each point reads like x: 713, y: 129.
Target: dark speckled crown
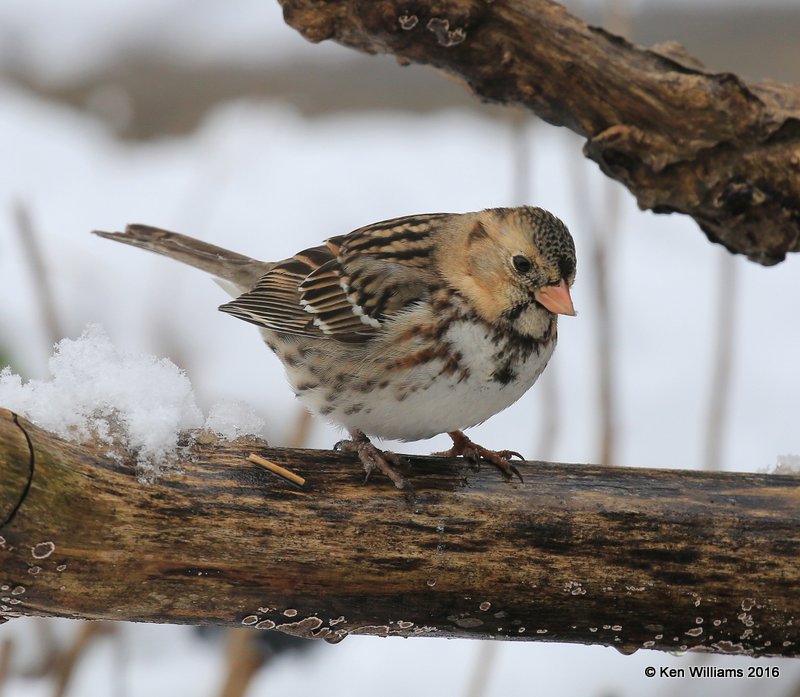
x: 550, y: 236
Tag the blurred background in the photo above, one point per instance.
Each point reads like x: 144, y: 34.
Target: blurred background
x: 217, y: 120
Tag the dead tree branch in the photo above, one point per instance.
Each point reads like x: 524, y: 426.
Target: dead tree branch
x: 681, y: 138
x: 631, y: 558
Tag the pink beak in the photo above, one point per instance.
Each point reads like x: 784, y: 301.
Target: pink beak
x: 555, y: 298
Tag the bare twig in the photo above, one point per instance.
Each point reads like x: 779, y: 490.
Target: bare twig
x: 302, y: 429
x: 121, y: 659
x: 245, y: 659
x: 41, y: 282
x: 6, y: 653
x: 719, y: 394
x: 485, y: 663
x: 48, y: 650
x: 600, y: 238
x: 794, y: 691
x: 521, y: 184
x: 67, y: 662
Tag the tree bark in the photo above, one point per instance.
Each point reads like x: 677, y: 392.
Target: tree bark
x: 681, y: 138
x: 630, y: 558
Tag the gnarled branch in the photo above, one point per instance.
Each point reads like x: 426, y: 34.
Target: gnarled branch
x: 624, y: 557
x: 681, y: 138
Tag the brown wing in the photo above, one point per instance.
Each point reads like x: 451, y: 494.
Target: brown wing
x: 348, y: 287
x: 274, y: 302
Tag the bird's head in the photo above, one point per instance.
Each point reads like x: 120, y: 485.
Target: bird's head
x: 513, y: 264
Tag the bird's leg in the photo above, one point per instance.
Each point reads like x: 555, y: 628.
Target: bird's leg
x: 474, y: 453
x: 372, y: 458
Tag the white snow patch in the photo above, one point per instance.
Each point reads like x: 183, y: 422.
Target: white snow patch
x: 232, y: 419
x: 129, y: 401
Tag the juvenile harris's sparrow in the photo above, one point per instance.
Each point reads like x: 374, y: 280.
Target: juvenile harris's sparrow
x: 406, y: 328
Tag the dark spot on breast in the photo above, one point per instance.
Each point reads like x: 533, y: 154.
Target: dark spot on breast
x: 513, y: 314
x: 354, y: 408
x: 303, y: 386
x: 504, y: 374
x: 452, y: 365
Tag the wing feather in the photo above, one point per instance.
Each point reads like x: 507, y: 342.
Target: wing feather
x: 347, y: 288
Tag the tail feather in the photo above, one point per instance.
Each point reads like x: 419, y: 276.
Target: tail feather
x: 237, y: 269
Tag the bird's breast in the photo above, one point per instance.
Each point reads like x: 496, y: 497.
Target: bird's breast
x: 421, y: 382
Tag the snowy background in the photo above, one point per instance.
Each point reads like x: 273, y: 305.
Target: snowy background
x: 265, y: 176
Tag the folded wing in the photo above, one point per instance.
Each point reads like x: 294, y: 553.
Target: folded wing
x: 349, y: 287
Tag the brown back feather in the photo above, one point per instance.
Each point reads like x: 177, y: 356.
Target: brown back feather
x: 347, y: 288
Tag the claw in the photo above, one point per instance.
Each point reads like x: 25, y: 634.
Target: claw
x: 473, y: 452
x: 515, y: 471
x: 369, y: 468
x: 508, y: 454
x: 374, y: 459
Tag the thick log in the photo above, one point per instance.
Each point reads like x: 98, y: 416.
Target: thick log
x: 631, y: 558
x: 680, y: 137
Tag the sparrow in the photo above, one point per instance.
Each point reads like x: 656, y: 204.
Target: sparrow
x: 406, y: 328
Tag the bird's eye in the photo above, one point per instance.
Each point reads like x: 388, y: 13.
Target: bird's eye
x: 521, y: 264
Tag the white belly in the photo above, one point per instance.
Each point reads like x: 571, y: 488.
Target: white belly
x: 425, y: 401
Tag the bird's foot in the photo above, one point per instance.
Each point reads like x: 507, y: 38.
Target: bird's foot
x: 475, y: 453
x: 375, y: 459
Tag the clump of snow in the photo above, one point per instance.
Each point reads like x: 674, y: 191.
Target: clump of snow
x: 132, y: 401
x: 787, y: 464
x: 231, y: 420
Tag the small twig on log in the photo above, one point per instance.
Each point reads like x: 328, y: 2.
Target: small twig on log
x: 631, y: 558
x: 680, y: 137
x: 277, y: 469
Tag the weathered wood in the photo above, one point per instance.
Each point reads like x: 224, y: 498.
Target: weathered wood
x: 681, y: 138
x: 631, y: 558
x: 16, y: 466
